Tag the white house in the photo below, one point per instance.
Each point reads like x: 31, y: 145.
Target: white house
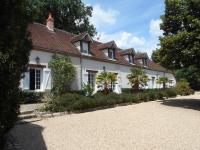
x: 88, y: 56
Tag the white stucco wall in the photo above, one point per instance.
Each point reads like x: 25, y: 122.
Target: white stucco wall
x: 98, y: 66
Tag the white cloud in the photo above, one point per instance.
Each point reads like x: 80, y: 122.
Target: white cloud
x: 123, y: 39
x: 101, y: 17
x: 154, y: 28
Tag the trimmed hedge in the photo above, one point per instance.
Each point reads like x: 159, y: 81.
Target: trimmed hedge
x: 74, y: 101
x: 31, y: 97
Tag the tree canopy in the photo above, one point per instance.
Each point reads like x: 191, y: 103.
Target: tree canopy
x: 69, y: 15
x: 180, y: 43
x: 137, y: 79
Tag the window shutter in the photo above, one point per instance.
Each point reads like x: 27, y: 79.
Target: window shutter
x: 47, y: 81
x: 26, y: 81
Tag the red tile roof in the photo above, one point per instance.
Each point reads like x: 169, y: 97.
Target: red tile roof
x: 62, y: 42
x: 127, y: 51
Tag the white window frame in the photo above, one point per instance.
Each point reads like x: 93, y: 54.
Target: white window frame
x: 41, y: 72
x: 85, y: 51
x: 111, y: 51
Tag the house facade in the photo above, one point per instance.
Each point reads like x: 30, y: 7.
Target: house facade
x: 88, y: 56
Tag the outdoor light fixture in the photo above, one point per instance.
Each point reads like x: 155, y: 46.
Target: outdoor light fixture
x: 37, y: 59
x: 104, y: 68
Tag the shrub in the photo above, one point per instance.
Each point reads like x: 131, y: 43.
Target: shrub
x: 62, y: 103
x: 31, y: 97
x: 74, y: 101
x: 63, y: 74
x: 183, y: 88
x: 170, y: 92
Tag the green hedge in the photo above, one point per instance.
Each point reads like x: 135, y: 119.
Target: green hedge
x: 31, y: 97
x: 74, y: 101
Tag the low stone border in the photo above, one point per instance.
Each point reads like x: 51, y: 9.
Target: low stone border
x: 43, y: 115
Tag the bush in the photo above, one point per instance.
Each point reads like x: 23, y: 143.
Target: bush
x: 31, y: 97
x: 74, y: 101
x: 62, y: 103
x: 183, y: 88
x: 170, y: 92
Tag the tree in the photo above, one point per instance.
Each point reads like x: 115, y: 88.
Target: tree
x: 180, y: 43
x: 70, y: 15
x: 163, y: 81
x: 137, y: 79
x: 155, y: 56
x: 63, y: 73
x: 106, y: 79
x: 191, y: 74
x: 15, y: 47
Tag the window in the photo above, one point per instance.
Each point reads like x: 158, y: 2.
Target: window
x: 153, y: 81
x: 35, y: 79
x: 131, y: 58
x: 144, y: 61
x: 91, y: 79
x: 85, y: 47
x: 111, y: 53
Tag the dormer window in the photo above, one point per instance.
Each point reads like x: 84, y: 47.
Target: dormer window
x: 111, y: 53
x: 85, y: 48
x: 82, y: 43
x: 131, y: 59
x: 144, y: 62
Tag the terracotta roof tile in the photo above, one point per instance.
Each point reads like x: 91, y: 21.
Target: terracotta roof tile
x: 127, y: 51
x: 61, y: 41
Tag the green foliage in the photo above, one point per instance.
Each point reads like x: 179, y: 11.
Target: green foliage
x: 87, y: 90
x: 31, y: 97
x: 170, y: 92
x: 73, y: 102
x: 137, y: 79
x: 163, y: 81
x: 155, y: 56
x: 180, y: 46
x: 105, y: 79
x: 15, y: 47
x: 70, y: 15
x: 183, y: 88
x: 63, y: 74
x: 191, y: 74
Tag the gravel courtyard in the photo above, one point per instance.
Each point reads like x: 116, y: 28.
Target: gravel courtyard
x: 172, y: 125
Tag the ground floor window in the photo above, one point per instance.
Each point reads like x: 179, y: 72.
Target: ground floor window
x: 35, y: 79
x: 91, y: 78
x: 152, y: 81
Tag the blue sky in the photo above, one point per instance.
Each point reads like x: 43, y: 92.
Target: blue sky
x: 131, y: 23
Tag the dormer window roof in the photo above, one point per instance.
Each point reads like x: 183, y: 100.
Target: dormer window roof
x: 109, y: 49
x: 82, y: 42
x: 128, y: 54
x: 142, y: 58
x: 108, y: 45
x: 82, y: 37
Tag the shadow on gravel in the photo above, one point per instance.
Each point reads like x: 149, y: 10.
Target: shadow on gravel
x: 26, y: 136
x: 184, y: 103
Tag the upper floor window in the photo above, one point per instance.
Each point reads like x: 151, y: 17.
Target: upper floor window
x: 111, y: 53
x: 85, y: 48
x: 130, y: 58
x: 144, y: 62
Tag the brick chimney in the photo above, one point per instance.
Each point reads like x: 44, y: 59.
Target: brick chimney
x: 50, y: 22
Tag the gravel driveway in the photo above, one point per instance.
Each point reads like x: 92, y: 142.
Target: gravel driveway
x: 174, y: 124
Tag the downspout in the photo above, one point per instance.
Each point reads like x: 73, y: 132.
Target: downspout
x: 81, y: 71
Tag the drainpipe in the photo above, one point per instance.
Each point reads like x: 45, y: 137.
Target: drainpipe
x: 81, y: 71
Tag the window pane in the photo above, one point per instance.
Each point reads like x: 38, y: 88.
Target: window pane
x: 85, y: 47
x: 38, y: 74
